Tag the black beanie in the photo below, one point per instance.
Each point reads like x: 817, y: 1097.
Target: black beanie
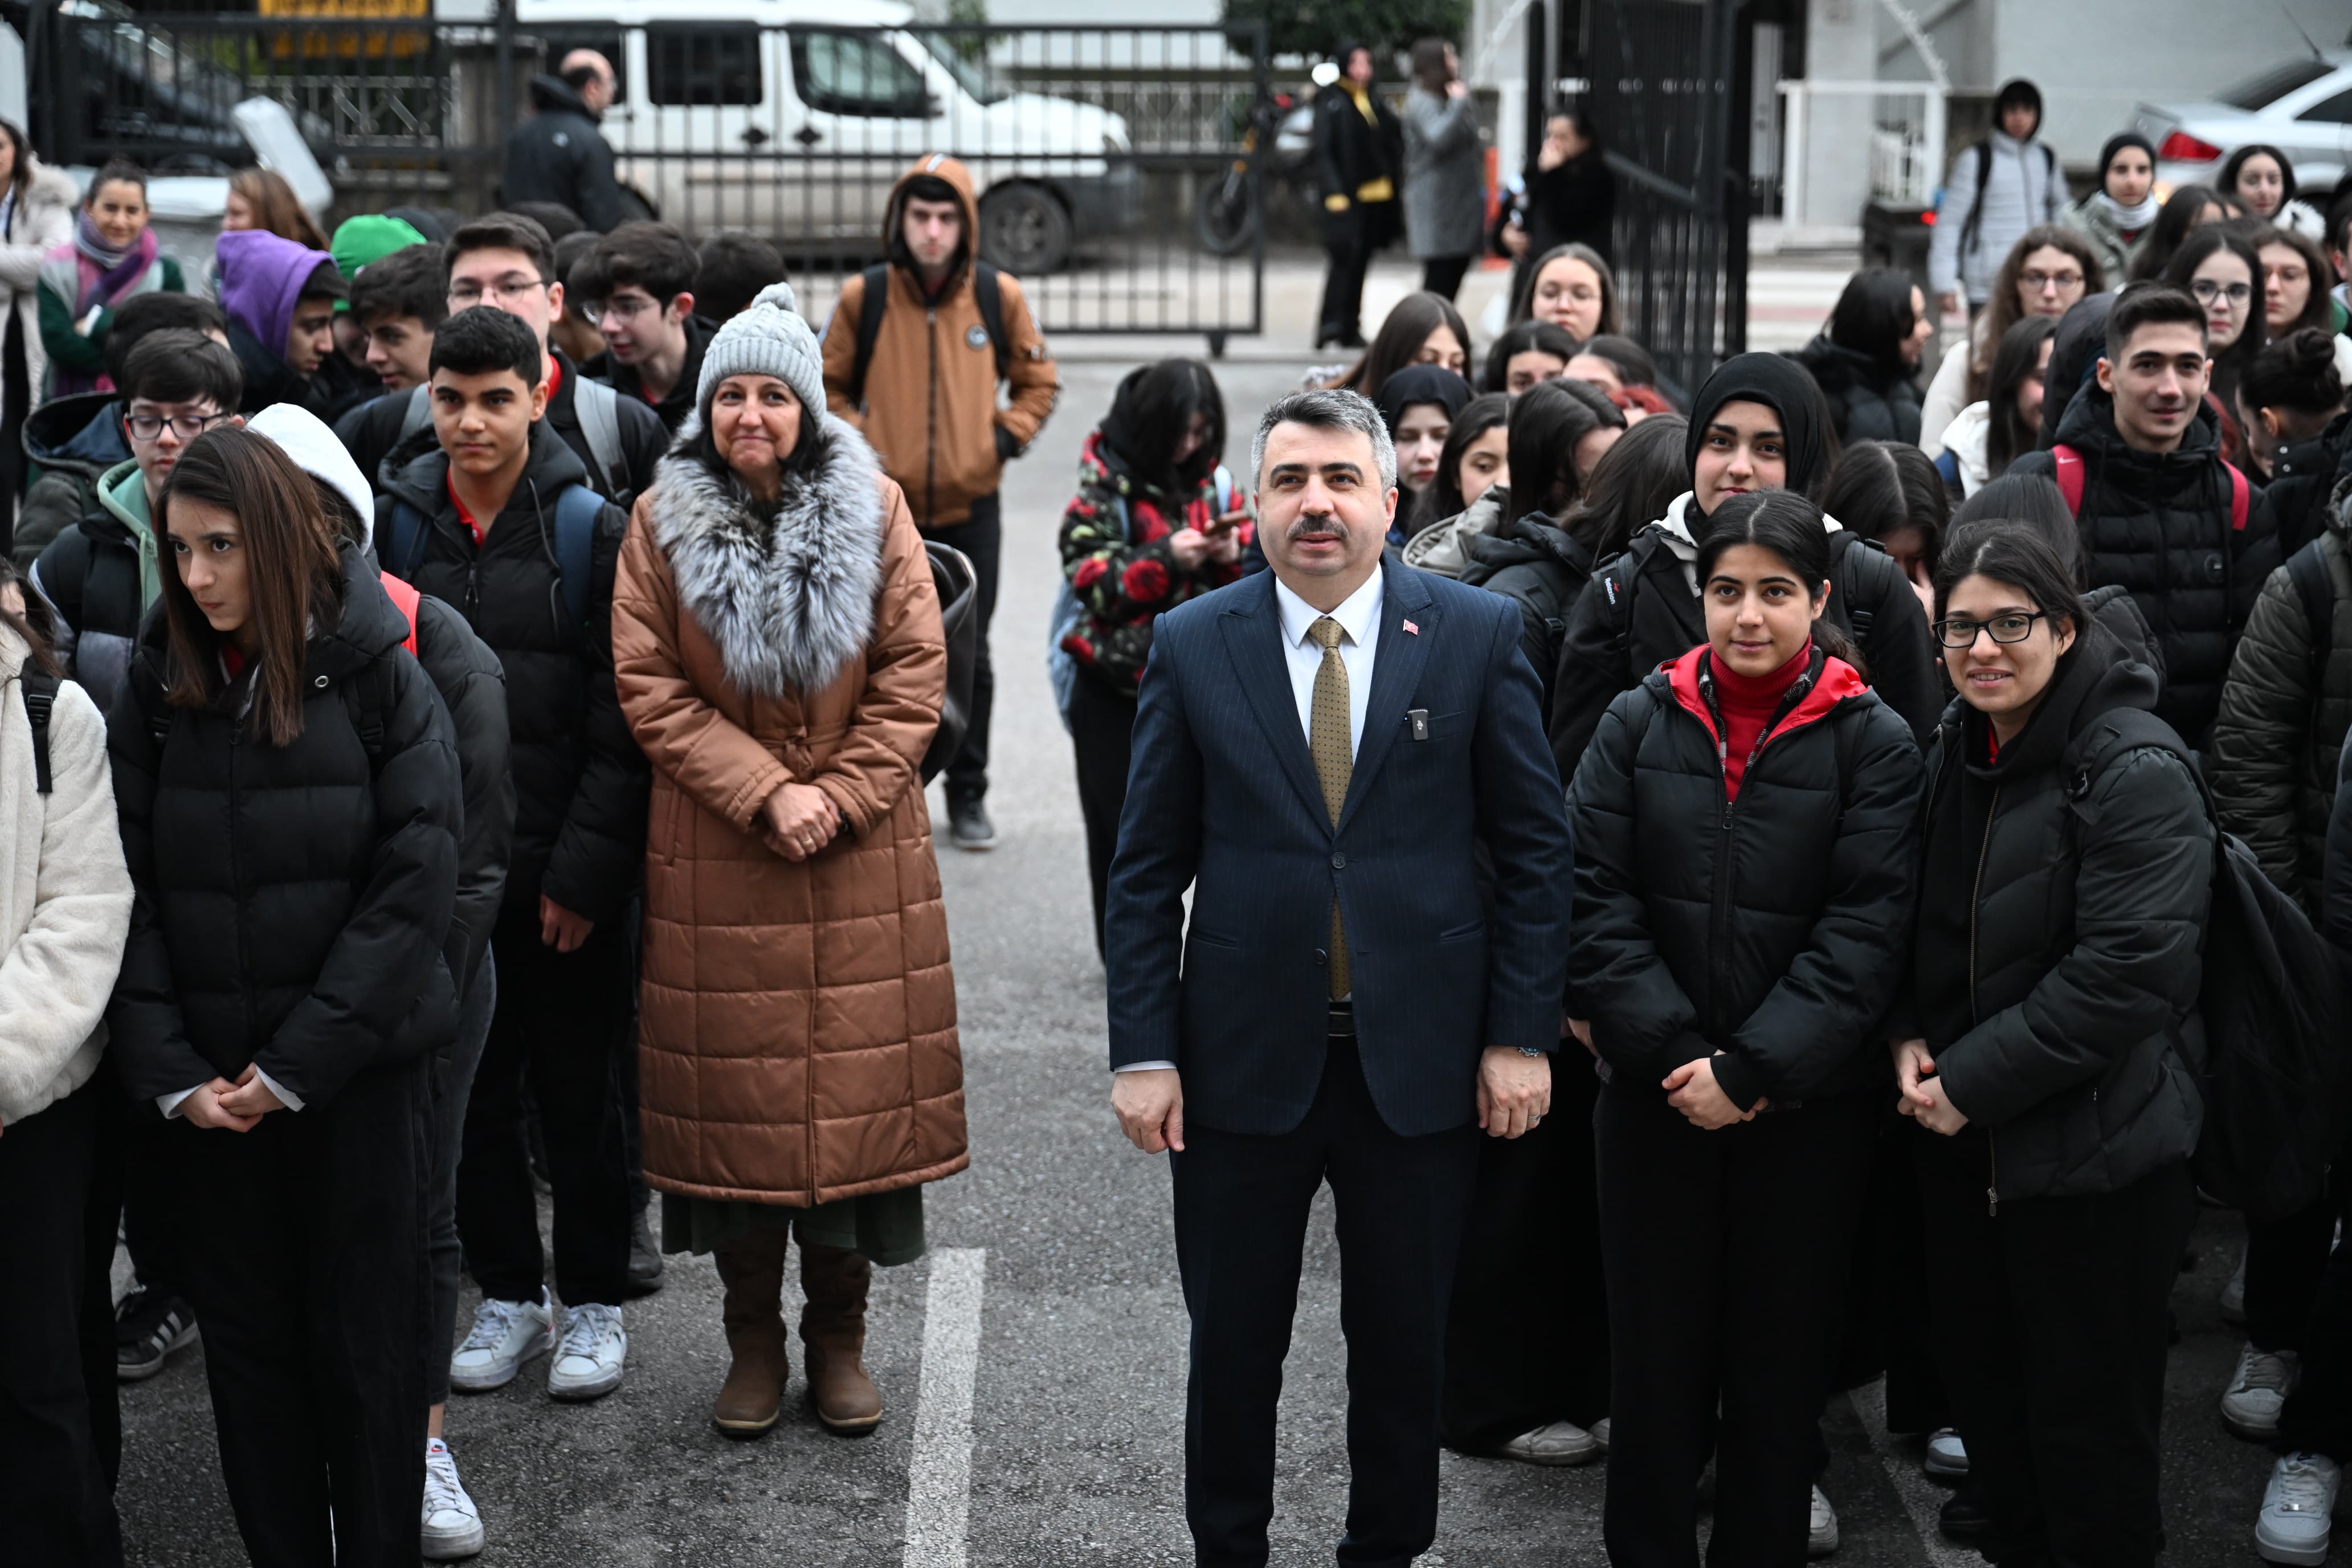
x: 2116, y: 144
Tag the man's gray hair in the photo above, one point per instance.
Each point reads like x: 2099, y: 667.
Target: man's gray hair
x: 1328, y: 410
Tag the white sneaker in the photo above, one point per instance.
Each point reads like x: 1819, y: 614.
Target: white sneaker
x: 1948, y: 1457
x: 2233, y: 1295
x: 2251, y: 1406
x: 1600, y: 1433
x: 2294, y: 1524
x: 505, y: 1335
x: 1822, y: 1538
x: 588, y: 1358
x: 453, y: 1525
x: 1560, y: 1443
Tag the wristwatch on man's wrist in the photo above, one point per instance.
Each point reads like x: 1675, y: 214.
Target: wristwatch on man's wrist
x: 1529, y: 1051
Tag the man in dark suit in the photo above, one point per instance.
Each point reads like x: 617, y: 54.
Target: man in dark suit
x: 1317, y: 751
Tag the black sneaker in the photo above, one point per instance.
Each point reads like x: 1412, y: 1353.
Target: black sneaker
x: 968, y: 826
x: 645, y: 1257
x: 1963, y: 1517
x: 148, y: 1327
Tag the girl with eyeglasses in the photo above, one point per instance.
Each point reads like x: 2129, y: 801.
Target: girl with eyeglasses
x: 2051, y: 268
x: 2225, y: 274
x: 2041, y: 1044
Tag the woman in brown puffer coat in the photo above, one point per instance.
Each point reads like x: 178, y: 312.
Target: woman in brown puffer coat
x: 777, y: 642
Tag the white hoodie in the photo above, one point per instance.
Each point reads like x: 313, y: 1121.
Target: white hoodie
x: 305, y: 437
x: 1676, y: 527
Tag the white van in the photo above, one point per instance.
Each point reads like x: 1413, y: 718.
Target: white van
x: 792, y: 117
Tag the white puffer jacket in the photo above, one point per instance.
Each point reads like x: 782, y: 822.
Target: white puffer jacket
x: 65, y: 896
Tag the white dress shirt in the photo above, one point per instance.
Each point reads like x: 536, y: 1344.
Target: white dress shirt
x: 1358, y: 616
x: 169, y: 1104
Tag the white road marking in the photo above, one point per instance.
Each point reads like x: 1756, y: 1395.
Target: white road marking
x: 1922, y: 1499
x: 939, y: 1477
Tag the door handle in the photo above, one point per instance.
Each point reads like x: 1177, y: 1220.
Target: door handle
x: 808, y: 136
x: 754, y: 137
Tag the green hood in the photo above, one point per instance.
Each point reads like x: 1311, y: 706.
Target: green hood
x: 122, y: 491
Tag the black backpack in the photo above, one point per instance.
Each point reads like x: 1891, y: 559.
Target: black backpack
x: 959, y: 591
x: 2306, y: 570
x: 1975, y: 220
x: 985, y: 293
x: 2274, y: 1076
x: 40, y: 694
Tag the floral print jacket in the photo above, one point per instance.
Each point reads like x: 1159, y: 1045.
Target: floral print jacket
x: 1114, y: 554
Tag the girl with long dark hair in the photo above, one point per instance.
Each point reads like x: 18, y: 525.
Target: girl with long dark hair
x: 37, y: 217
x: 1890, y: 494
x: 2260, y: 179
x: 2044, y: 1040
x: 2289, y: 397
x: 1559, y: 430
x: 1990, y: 434
x: 1566, y: 196
x: 1866, y: 360
x: 1746, y: 857
x: 1155, y: 521
x: 1423, y: 328
x: 1571, y: 287
x: 2050, y: 270
x: 291, y: 801
x: 1525, y: 354
x: 2225, y: 274
x: 1476, y: 458
x: 2188, y: 209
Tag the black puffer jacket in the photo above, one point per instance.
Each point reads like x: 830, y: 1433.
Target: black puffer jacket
x: 89, y: 574
x: 2335, y: 917
x: 2294, y: 506
x: 1640, y: 611
x: 581, y: 784
x: 293, y: 903
x: 1534, y: 563
x: 371, y: 433
x: 1774, y: 928
x: 2276, y: 746
x: 474, y: 689
x: 73, y: 440
x: 1863, y: 405
x: 559, y: 155
x: 2159, y: 524
x: 2055, y: 973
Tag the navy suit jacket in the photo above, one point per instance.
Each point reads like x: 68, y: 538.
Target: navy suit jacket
x: 1223, y: 797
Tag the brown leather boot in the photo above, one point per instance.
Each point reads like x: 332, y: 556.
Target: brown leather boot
x: 832, y: 1336
x: 753, y: 1272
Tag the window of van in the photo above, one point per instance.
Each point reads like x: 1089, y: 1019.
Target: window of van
x: 855, y: 73
x: 703, y: 65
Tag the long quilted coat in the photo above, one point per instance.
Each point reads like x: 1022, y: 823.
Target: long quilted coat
x: 799, y: 1019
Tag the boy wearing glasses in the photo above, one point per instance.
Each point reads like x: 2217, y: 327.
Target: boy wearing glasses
x: 506, y: 261
x: 642, y: 279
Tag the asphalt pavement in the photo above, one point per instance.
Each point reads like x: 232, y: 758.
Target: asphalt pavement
x: 1075, y: 1438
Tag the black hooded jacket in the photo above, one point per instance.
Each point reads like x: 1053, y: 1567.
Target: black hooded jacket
x: 73, y: 440
x: 559, y: 155
x: 1535, y: 562
x: 2055, y: 970
x: 1774, y: 927
x: 1865, y: 404
x: 2294, y: 506
x: 2160, y: 525
x: 1641, y: 609
x: 581, y: 784
x: 370, y: 434
x: 293, y: 903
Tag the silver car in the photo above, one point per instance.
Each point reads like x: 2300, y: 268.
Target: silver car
x: 2303, y: 107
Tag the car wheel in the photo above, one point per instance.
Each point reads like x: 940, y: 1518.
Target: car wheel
x: 1026, y: 230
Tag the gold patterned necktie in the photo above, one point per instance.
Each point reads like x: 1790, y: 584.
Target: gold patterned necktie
x: 1335, y: 762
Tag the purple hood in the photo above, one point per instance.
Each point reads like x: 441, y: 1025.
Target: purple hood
x: 261, y: 276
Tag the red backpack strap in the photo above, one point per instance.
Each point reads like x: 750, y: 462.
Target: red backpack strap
x: 2241, y: 499
x: 404, y: 599
x: 2070, y: 478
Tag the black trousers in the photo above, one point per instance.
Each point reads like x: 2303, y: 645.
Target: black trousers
x: 2052, y: 1320
x: 1102, y: 734
x: 980, y: 536
x: 1530, y: 1255
x: 1442, y: 275
x: 57, y: 1498
x: 1342, y: 314
x: 1726, y: 1255
x: 1887, y: 1291
x: 1242, y: 1203
x: 2285, y: 1262
x: 309, y: 1277
x: 566, y: 1016
x: 2318, y: 1414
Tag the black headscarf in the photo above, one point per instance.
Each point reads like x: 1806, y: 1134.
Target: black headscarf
x: 2073, y: 357
x: 1784, y: 387
x: 1421, y: 384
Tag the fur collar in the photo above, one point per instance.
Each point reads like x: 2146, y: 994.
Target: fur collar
x: 789, y: 603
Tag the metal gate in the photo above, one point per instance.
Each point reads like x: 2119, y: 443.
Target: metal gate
x: 1089, y: 146
x: 1668, y: 90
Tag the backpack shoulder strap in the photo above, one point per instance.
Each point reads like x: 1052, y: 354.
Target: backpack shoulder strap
x: 417, y: 414
x: 989, y: 295
x: 2129, y: 729
x: 2306, y: 571
x: 2070, y: 477
x: 40, y: 695
x: 1968, y: 226
x: 870, y: 306
x: 367, y: 700
x: 599, y: 408
x: 404, y: 599
x: 400, y: 547
x: 577, y: 508
x: 1853, y: 559
x: 2241, y: 498
x: 1614, y: 578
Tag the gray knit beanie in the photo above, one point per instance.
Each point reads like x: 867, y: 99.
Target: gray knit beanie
x: 767, y: 339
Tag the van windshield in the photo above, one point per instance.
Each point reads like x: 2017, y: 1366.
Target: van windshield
x: 973, y: 76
